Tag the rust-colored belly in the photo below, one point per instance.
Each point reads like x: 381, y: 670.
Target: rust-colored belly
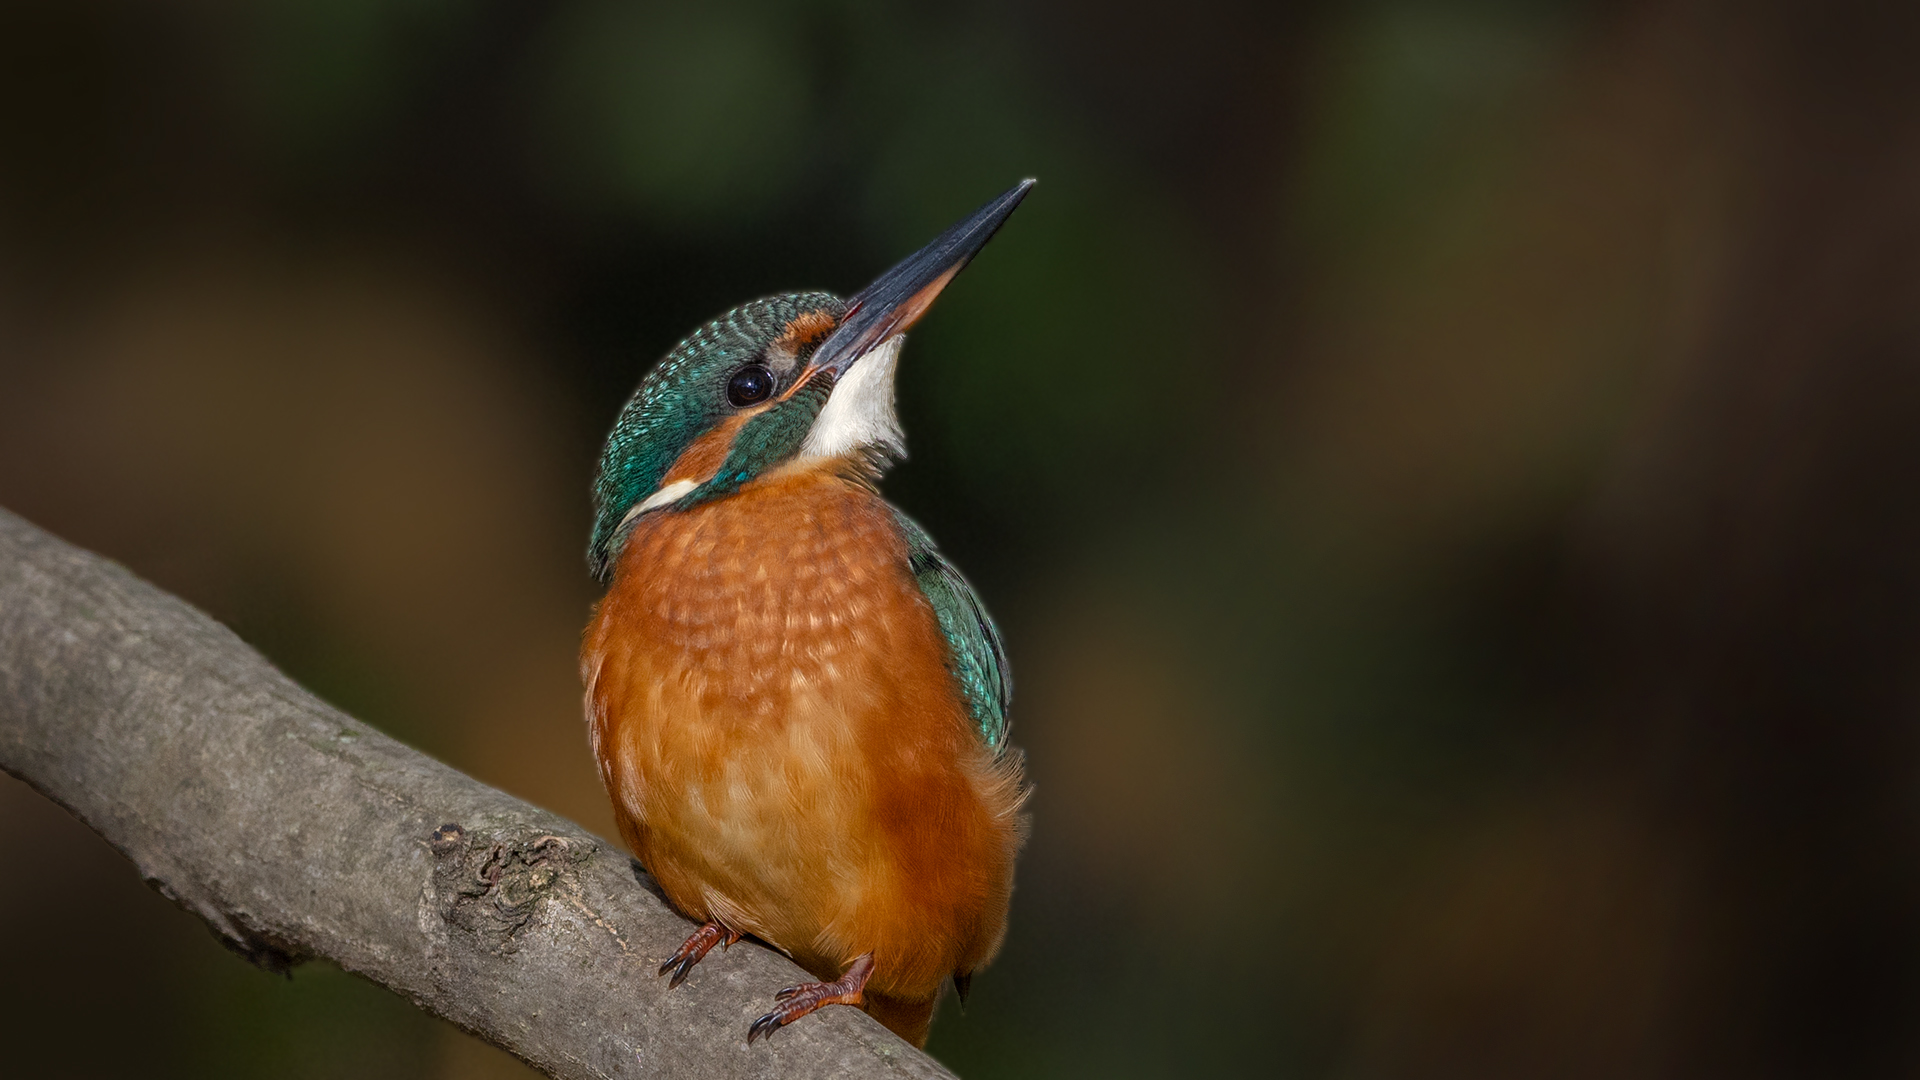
x: 785, y: 748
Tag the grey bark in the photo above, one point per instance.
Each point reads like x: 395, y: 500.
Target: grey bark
x: 296, y: 831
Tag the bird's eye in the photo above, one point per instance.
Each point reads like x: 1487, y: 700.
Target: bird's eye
x: 749, y: 386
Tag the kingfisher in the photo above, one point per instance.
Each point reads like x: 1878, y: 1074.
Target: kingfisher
x: 798, y: 705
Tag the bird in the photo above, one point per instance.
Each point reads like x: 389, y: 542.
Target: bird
x: 798, y: 705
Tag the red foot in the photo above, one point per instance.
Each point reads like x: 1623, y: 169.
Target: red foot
x: 697, y: 946
x: 798, y: 1001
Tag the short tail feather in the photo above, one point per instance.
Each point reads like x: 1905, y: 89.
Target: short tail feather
x: 907, y: 1019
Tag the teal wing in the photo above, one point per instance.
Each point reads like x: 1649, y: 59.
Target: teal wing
x: 974, y: 652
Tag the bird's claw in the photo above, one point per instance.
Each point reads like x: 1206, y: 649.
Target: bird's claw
x: 681, y: 966
x: 766, y: 1025
x: 798, y: 1001
x: 693, y: 949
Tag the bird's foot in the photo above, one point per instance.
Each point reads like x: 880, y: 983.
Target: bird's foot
x: 697, y: 946
x: 798, y: 1001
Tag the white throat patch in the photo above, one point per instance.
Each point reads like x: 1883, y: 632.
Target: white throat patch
x: 859, y: 413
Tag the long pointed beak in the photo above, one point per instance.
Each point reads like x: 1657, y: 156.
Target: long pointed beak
x: 901, y: 295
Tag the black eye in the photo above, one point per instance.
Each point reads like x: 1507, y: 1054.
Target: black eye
x: 749, y: 386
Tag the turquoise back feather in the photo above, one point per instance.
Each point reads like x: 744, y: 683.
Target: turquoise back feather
x: 974, y: 652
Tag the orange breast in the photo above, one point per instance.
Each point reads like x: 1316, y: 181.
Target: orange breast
x: 784, y: 745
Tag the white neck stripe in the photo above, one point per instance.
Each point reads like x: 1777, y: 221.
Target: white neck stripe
x: 671, y: 493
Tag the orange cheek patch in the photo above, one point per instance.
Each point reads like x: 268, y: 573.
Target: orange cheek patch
x: 704, y: 457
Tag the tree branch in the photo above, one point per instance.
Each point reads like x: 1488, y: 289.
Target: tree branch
x: 296, y: 831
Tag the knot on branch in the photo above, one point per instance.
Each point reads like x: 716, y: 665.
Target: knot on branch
x: 491, y: 885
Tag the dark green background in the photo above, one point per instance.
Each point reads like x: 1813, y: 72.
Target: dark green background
x: 1446, y: 470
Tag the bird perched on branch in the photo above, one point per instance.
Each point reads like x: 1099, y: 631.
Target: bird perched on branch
x: 798, y: 705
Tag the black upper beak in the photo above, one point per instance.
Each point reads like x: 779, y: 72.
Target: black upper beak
x: 901, y: 295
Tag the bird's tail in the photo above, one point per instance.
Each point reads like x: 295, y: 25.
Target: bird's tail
x: 907, y: 1019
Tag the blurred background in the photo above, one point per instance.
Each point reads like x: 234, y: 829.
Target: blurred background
x: 1448, y: 472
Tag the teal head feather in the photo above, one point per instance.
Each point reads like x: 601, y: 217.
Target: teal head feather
x: 695, y: 387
